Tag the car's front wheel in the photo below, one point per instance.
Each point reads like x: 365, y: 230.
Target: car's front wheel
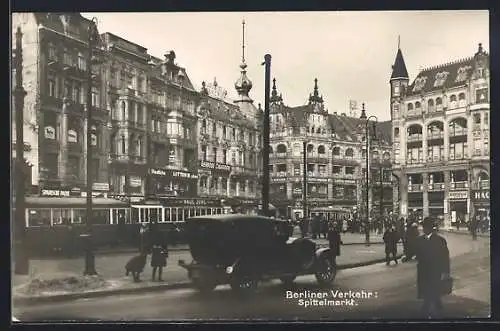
x: 325, y: 271
x: 204, y: 285
x: 244, y: 284
x: 287, y: 280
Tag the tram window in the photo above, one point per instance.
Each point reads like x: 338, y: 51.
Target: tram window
x: 186, y: 213
x: 179, y: 215
x: 39, y: 217
x: 100, y: 216
x: 134, y: 217
x: 167, y: 215
x: 61, y: 216
x: 203, y: 212
x: 192, y: 212
x: 153, y: 214
x: 79, y: 216
x: 174, y: 214
x: 120, y: 216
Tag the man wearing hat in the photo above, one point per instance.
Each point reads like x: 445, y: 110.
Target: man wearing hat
x: 432, y: 269
x: 410, y: 239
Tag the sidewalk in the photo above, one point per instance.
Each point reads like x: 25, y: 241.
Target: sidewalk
x: 466, y: 232
x: 113, y: 281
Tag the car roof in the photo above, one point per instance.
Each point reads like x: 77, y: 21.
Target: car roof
x: 232, y: 218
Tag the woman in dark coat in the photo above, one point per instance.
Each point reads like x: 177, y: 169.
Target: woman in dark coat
x: 433, y: 266
x: 159, y: 256
x: 391, y: 239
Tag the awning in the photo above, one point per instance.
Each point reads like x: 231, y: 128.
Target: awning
x: 72, y: 202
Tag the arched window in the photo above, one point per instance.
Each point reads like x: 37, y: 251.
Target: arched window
x: 453, y: 101
x: 321, y: 149
x: 461, y: 96
x: 123, y: 144
x: 396, y: 132
x: 318, y: 130
x: 461, y: 100
x: 430, y: 104
x: 349, y: 152
x: 410, y: 107
x: 124, y: 109
x: 281, y: 148
x: 336, y: 151
x: 417, y: 105
x: 310, y: 148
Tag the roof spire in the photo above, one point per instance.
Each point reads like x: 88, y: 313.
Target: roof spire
x: 363, y: 112
x: 315, y: 98
x: 274, y: 93
x: 243, y: 42
x: 399, y: 66
x: 399, y: 42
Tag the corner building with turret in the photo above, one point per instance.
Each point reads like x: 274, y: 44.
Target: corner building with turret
x: 441, y: 135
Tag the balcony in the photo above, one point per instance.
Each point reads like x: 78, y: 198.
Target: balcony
x: 476, y: 127
x: 75, y: 107
x: 414, y: 137
x: 459, y: 185
x: 458, y: 157
x: 74, y: 71
x: 278, y: 155
x: 415, y: 188
x: 51, y: 102
x: 436, y: 187
x: 458, y: 132
x: 435, y: 135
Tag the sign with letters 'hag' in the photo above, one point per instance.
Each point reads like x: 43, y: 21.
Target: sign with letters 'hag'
x: 481, y: 196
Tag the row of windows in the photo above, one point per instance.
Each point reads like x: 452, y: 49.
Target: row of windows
x: 221, y: 184
x: 124, y: 78
x: 320, y: 169
x: 73, y: 90
x: 338, y: 191
x: 71, y: 59
x: 239, y: 158
x: 223, y: 131
x: 50, y: 166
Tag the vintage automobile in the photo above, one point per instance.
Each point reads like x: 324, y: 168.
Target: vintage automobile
x: 242, y: 250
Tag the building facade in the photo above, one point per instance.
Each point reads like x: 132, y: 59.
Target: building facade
x: 230, y: 146
x: 55, y: 48
x: 335, y: 159
x: 441, y: 138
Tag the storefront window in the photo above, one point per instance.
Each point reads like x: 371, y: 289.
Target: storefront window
x: 39, y: 217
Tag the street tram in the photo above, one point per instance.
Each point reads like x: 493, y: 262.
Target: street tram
x: 331, y: 213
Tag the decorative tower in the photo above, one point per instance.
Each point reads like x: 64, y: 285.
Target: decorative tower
x: 275, y: 98
x: 243, y: 85
x: 315, y: 99
x: 399, y: 82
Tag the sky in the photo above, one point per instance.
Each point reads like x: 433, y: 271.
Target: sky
x: 350, y: 53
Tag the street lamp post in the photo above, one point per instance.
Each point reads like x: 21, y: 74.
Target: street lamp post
x: 304, y: 189
x: 265, y: 138
x: 89, y: 253
x: 367, y: 141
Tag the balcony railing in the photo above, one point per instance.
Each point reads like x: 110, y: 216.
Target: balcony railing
x: 415, y: 187
x: 459, y: 185
x: 414, y: 137
x: 436, y: 187
x: 458, y: 132
x: 484, y: 184
x: 415, y: 161
x: 435, y: 135
x: 458, y: 156
x: 435, y: 158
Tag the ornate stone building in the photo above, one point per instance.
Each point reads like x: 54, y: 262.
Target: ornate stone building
x: 441, y: 137
x: 334, y: 156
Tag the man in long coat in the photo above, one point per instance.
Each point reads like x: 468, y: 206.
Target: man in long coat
x: 334, y: 241
x: 433, y: 266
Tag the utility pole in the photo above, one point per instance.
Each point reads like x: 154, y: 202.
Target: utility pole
x: 265, y: 138
x: 21, y: 261
x: 367, y: 138
x: 89, y: 250
x: 381, y: 191
x: 304, y: 180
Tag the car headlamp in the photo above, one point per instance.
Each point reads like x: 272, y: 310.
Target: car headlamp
x: 229, y: 270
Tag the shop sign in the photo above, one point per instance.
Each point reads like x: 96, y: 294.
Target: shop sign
x: 215, y: 166
x: 184, y: 174
x: 278, y: 180
x: 157, y: 172
x: 458, y: 195
x: 55, y: 193
x: 135, y: 181
x: 481, y: 195
x: 172, y: 173
x: 100, y: 186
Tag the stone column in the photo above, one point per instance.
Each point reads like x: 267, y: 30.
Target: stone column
x: 446, y: 203
x: 424, y: 143
x: 425, y: 194
x: 237, y: 188
x: 446, y: 140
x: 228, y: 188
x: 403, y: 194
x: 63, y: 139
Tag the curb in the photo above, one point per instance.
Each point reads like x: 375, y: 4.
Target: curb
x: 482, y: 235
x: 29, y: 301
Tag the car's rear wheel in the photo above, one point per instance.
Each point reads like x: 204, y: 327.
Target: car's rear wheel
x: 325, y: 271
x: 245, y: 284
x: 287, y: 280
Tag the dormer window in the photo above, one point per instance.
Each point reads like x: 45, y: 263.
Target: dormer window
x: 462, y: 74
x: 419, y: 84
x: 440, y: 78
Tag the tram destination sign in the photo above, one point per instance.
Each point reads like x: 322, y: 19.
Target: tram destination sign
x: 191, y: 202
